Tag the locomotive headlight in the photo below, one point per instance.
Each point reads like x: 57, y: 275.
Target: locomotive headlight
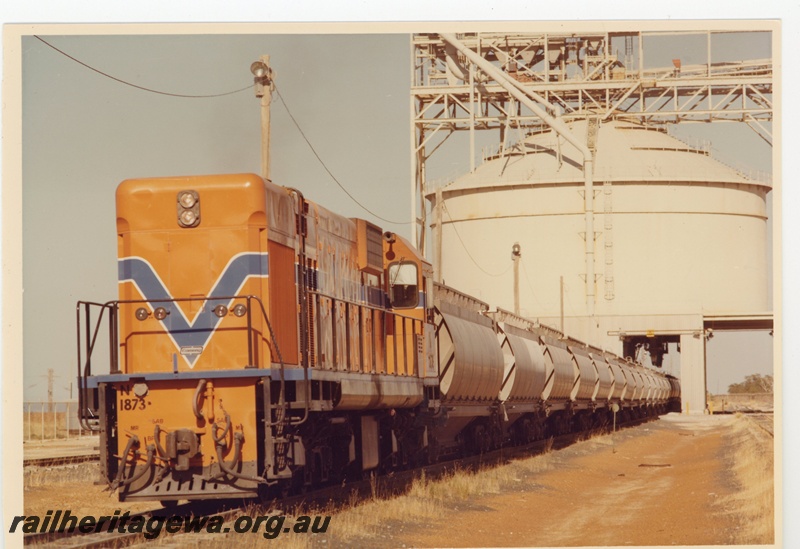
x: 187, y: 199
x: 240, y: 310
x: 220, y: 310
x: 188, y: 218
x: 142, y: 313
x: 160, y: 313
x: 188, y: 209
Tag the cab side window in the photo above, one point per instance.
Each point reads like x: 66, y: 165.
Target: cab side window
x: 403, y: 287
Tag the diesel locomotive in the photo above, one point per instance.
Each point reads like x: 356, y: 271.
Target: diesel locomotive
x: 262, y: 344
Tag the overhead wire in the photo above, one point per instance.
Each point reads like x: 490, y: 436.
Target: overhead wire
x: 567, y: 294
x: 568, y: 300
x: 249, y: 86
x: 530, y: 285
x: 138, y: 87
x: 325, y: 167
x: 444, y: 207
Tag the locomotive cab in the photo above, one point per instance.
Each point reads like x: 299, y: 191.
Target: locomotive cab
x: 403, y: 287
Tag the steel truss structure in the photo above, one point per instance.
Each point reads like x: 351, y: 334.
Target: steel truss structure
x: 574, y: 76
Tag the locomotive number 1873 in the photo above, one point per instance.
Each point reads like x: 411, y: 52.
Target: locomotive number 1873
x: 132, y: 404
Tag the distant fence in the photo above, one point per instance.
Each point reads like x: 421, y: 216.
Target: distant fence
x: 742, y: 402
x: 51, y: 420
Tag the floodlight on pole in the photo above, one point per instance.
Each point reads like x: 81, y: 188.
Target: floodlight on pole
x: 262, y: 76
x: 259, y: 69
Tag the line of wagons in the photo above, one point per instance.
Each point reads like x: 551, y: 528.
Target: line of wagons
x: 504, y: 375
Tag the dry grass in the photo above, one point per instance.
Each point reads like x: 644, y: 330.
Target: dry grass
x: 285, y: 540
x: 377, y: 520
x: 753, y: 469
x: 424, y: 500
x: 359, y: 523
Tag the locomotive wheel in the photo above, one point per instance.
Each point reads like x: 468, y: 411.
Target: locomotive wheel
x: 433, y: 451
x: 482, y: 439
x: 526, y: 432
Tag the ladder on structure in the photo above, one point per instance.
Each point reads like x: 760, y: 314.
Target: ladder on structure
x: 608, y: 239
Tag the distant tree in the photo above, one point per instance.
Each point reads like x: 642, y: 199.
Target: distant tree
x: 754, y: 383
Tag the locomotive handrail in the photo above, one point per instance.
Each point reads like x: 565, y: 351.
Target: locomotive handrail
x: 302, y: 287
x: 117, y: 303
x: 90, y: 343
x: 198, y: 412
x: 409, y: 364
x: 364, y: 305
x: 403, y: 318
x: 306, y: 378
x: 84, y: 367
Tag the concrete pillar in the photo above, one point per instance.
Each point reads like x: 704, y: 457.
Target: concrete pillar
x: 693, y: 373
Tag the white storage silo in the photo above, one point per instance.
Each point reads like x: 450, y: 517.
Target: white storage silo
x: 677, y: 233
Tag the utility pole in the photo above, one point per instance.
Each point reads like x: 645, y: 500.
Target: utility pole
x: 437, y: 266
x: 50, y: 377
x: 561, y: 289
x: 262, y: 76
x: 515, y: 256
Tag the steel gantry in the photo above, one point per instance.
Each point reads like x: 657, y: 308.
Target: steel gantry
x: 601, y: 76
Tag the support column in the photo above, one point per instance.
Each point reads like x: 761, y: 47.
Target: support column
x: 515, y: 255
x: 437, y: 264
x: 693, y: 373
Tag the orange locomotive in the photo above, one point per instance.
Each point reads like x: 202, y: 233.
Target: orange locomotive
x: 259, y: 341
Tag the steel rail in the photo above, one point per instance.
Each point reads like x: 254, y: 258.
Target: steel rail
x: 60, y: 460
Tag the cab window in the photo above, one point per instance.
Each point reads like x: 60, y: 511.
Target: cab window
x: 403, y: 288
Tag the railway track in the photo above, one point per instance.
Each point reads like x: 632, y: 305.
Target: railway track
x: 105, y: 538
x: 61, y: 460
x: 764, y: 421
x: 386, y: 485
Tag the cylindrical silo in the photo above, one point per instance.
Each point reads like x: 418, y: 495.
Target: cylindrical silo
x: 676, y: 232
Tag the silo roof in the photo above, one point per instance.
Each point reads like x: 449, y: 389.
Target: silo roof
x: 623, y: 152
